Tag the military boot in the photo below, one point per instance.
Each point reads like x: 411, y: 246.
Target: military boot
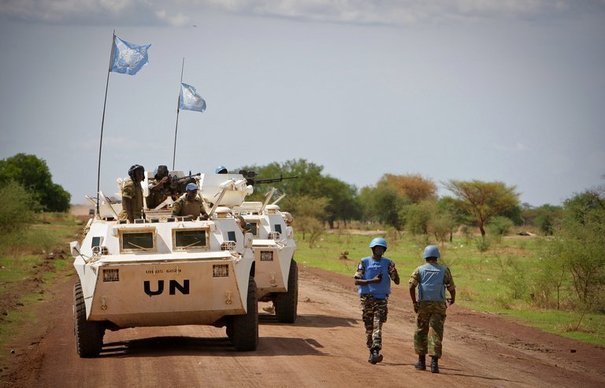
x: 421, y: 364
x: 434, y: 364
x: 375, y: 356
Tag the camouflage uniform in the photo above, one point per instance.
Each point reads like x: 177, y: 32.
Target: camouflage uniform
x: 186, y: 207
x: 431, y: 315
x: 134, y: 193
x: 374, y: 311
x: 156, y: 196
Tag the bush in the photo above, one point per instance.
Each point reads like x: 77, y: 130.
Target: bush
x: 482, y: 244
x: 499, y: 226
x: 18, y: 208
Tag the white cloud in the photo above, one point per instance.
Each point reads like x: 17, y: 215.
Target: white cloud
x: 381, y: 12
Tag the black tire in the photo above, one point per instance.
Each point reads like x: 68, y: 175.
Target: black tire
x: 286, y: 304
x: 89, y: 334
x: 229, y: 330
x: 245, y: 327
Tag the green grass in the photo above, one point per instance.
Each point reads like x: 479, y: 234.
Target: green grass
x: 496, y: 281
x: 23, y: 257
x: 589, y: 328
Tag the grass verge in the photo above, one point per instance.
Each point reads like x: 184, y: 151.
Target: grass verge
x: 496, y: 281
x: 30, y: 262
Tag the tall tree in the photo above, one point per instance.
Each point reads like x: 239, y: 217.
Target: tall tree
x: 580, y: 244
x: 310, y: 182
x: 484, y: 200
x: 383, y: 204
x: 412, y: 186
x: 33, y: 174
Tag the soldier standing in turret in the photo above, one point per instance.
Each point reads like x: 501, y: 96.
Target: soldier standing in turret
x: 431, y: 279
x: 190, y: 204
x: 159, y: 187
x: 132, y: 194
x: 373, y: 276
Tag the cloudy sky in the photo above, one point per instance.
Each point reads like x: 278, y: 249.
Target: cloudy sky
x: 510, y: 91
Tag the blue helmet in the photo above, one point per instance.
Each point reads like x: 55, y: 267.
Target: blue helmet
x: 221, y: 170
x: 191, y: 187
x: 431, y: 251
x: 379, y: 241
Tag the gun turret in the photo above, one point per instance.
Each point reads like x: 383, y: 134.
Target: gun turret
x: 178, y: 184
x: 252, y: 180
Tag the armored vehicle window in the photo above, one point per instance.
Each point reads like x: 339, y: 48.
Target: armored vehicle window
x: 190, y: 238
x: 137, y: 241
x: 96, y: 241
x: 277, y: 228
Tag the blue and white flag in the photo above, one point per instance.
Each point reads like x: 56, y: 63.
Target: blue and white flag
x: 128, y: 58
x: 190, y: 100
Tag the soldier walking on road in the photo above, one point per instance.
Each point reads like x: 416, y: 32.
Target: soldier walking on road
x: 431, y: 279
x: 373, y: 276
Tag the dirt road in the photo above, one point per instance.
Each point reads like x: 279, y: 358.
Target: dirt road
x: 324, y: 348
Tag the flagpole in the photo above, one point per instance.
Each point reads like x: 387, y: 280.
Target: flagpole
x: 178, y: 105
x: 113, y: 39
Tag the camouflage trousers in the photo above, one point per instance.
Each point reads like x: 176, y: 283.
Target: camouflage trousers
x: 374, y: 314
x: 429, y: 328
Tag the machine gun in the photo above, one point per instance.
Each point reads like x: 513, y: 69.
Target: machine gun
x: 178, y: 184
x: 252, y: 180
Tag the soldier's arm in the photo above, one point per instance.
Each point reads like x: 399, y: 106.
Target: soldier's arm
x: 203, y: 214
x: 393, y: 274
x: 127, y: 205
x: 176, y: 208
x: 359, y: 280
x: 413, y: 293
x: 449, y: 284
x: 413, y: 283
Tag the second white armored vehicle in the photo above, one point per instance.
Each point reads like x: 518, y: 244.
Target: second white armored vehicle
x: 276, y: 272
x: 164, y: 271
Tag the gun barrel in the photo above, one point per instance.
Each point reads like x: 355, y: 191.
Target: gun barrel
x: 272, y: 180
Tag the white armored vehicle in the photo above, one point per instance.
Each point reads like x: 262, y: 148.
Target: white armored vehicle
x: 276, y: 271
x: 165, y: 271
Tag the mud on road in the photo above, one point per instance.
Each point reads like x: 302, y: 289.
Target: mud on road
x: 325, y: 347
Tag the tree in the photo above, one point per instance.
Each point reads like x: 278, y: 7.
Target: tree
x: 581, y: 244
x: 342, y: 199
x: 418, y: 216
x: 383, y: 204
x: 34, y: 176
x: 413, y: 186
x: 17, y: 210
x: 547, y: 218
x: 484, y: 200
x: 308, y: 212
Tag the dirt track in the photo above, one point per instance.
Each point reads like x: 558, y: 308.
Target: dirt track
x: 324, y: 348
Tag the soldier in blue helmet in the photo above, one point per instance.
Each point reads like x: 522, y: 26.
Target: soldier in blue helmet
x: 190, y: 204
x: 373, y: 277
x: 432, y: 279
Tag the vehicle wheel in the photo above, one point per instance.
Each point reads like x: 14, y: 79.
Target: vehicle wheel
x: 229, y: 330
x: 89, y: 334
x: 286, y: 304
x: 245, y: 327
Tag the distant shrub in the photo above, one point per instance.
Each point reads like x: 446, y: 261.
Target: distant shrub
x: 499, y: 226
x: 18, y: 208
x: 482, y: 244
